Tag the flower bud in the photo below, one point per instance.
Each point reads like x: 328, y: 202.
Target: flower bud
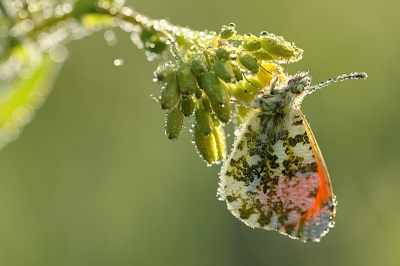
x: 170, y: 95
x: 249, y: 62
x: 186, y: 79
x: 214, y: 88
x: 222, y: 54
x: 198, y: 66
x: 276, y: 46
x: 206, y: 146
x: 203, y: 120
x: 251, y: 46
x: 224, y: 71
x: 165, y: 73
x: 187, y: 105
x: 173, y: 123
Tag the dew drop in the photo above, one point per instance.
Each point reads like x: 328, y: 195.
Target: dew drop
x: 32, y: 7
x: 154, y: 98
x: 127, y: 11
x: 22, y: 116
x: 67, y: 8
x: 136, y: 40
x: 25, y: 70
x: 59, y: 12
x: 58, y: 53
x: 14, y: 31
x: 9, y: 132
x: 151, y: 56
x: 113, y: 11
x: 110, y: 38
x: 23, y: 14
x: 27, y: 25
x: 103, y: 4
x: 331, y: 224
x: 118, y: 62
x: 264, y: 34
x: 17, y: 5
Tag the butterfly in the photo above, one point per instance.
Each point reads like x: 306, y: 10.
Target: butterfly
x: 276, y: 178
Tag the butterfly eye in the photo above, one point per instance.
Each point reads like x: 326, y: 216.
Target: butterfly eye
x: 297, y: 88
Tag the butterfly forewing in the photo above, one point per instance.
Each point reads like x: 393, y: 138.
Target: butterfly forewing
x: 276, y: 178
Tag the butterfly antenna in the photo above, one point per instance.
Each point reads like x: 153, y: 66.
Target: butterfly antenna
x: 354, y: 75
x: 251, y: 83
x: 273, y: 81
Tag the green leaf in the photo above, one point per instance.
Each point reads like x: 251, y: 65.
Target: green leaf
x: 21, y: 96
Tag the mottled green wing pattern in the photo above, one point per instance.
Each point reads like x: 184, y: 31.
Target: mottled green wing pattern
x: 274, y: 177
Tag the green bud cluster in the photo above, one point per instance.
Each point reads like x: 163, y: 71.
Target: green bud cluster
x: 193, y: 88
x: 266, y: 47
x: 203, y: 80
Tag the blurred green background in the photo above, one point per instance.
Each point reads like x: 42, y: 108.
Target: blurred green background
x: 94, y: 181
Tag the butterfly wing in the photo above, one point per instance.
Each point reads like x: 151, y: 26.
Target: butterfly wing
x: 276, y: 177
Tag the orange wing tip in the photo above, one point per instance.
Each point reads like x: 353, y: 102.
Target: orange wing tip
x: 313, y: 227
